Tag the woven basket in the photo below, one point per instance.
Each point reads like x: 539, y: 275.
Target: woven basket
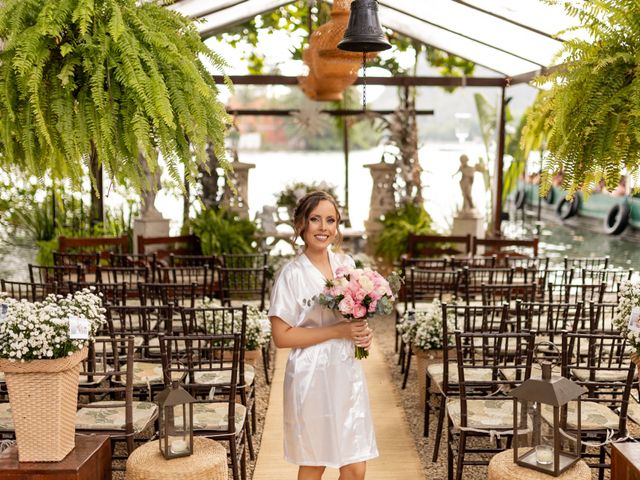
x: 43, y: 395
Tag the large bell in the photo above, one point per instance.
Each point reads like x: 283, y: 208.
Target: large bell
x: 364, y: 33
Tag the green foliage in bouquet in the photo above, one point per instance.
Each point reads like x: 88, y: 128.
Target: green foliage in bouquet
x: 220, y: 231
x: 392, y: 241
x: 591, y: 114
x: 106, y: 81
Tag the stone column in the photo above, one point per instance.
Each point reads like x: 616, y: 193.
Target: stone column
x: 382, y: 197
x: 151, y: 222
x: 238, y: 202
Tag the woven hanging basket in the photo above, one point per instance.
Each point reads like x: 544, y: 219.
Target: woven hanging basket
x: 43, y: 395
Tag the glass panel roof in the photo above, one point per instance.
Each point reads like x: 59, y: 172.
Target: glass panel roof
x: 506, y: 36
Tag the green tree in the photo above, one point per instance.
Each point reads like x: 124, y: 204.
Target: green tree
x: 84, y: 82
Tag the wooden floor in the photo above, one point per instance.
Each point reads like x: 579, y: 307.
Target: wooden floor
x: 398, y: 456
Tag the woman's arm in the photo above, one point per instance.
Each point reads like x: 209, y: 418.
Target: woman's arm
x: 286, y: 336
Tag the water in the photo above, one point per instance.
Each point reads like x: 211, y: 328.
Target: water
x: 274, y: 170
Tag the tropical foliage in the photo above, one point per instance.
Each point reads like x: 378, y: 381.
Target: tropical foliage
x: 591, y: 112
x: 84, y: 82
x: 393, y: 240
x: 221, y: 231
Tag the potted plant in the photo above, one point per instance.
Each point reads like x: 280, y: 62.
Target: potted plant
x: 41, y: 347
x: 627, y: 316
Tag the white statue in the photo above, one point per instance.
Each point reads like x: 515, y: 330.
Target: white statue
x: 268, y: 219
x: 466, y: 181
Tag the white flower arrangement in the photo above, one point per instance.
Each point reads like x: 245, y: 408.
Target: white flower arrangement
x: 423, y: 328
x: 258, y: 330
x: 47, y: 329
x: 628, y: 303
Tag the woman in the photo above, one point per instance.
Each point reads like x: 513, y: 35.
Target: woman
x: 327, y: 422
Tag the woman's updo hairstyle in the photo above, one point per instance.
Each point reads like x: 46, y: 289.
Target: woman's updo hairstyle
x: 303, y: 211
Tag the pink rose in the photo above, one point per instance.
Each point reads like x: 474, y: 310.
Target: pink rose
x: 373, y: 305
x: 359, y: 296
x: 359, y: 310
x: 346, y: 305
x: 341, y: 271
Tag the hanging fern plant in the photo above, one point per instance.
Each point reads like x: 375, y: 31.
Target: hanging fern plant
x: 105, y: 80
x: 591, y: 114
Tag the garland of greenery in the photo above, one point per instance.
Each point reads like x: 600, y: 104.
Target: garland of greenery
x: 111, y: 79
x: 591, y: 114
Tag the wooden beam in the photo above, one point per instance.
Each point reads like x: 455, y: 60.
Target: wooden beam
x: 333, y: 113
x: 529, y: 76
x: 390, y: 81
x: 499, y: 168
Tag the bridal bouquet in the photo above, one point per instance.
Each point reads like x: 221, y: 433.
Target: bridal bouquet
x: 358, y: 294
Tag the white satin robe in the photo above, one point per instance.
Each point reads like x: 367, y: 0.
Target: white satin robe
x: 327, y: 419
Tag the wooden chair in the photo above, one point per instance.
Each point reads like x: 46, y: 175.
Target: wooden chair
x: 243, y: 285
x: 176, y: 294
x: 89, y: 260
x: 111, y: 293
x: 208, y: 261
x: 30, y: 291
x: 163, y: 246
x: 472, y: 279
x: 209, y: 371
x: 574, y: 292
x: 245, y: 260
x: 200, y: 276
x: 484, y: 406
x: 612, y: 279
x: 61, y: 274
x: 129, y: 276
x: 474, y: 262
x: 590, y: 263
x: 438, y: 245
x: 148, y: 260
x: 549, y: 320
x: 106, y: 404
x: 228, y: 321
x: 439, y: 385
x: 607, y: 373
x: 498, y: 294
x: 102, y: 245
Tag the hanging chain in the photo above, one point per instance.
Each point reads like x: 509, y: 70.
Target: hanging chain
x: 364, y: 81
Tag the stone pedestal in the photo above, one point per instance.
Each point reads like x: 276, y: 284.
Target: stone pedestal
x: 149, y: 226
x: 469, y: 222
x: 382, y: 198
x: 238, y: 202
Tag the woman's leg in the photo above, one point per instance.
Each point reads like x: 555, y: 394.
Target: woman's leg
x: 353, y: 471
x: 310, y: 473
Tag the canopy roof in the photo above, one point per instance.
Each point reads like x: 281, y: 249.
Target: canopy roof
x: 510, y: 37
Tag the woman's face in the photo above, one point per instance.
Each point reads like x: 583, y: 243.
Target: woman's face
x: 321, y: 227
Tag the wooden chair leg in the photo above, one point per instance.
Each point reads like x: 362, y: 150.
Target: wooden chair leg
x: 462, y: 445
x: 233, y: 452
x: 406, y: 369
x: 449, y: 451
x: 427, y: 407
x: 441, y: 413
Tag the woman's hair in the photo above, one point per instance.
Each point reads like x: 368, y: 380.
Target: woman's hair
x: 305, y: 207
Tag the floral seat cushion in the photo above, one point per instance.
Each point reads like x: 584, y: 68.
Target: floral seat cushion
x: 214, y: 416
x: 633, y: 412
x: 436, y: 372
x: 483, y: 414
x: 608, y: 375
x: 595, y: 416
x: 224, y: 376
x: 109, y: 415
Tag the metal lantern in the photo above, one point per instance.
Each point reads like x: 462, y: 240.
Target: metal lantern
x: 364, y: 33
x: 176, y: 422
x: 544, y: 402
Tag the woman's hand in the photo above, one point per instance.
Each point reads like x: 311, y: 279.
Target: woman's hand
x: 358, y: 331
x: 365, y: 339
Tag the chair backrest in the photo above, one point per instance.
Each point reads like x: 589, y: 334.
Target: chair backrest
x: 576, y: 292
x: 586, y: 262
x: 611, y: 277
x: 30, y: 291
x: 472, y: 279
x: 148, y: 260
x: 601, y: 317
x: 426, y: 285
x: 527, y: 263
x: 201, y: 276
x: 145, y: 323
x: 62, y: 274
x: 600, y: 363
x: 438, y: 245
x: 507, y: 356
x: 163, y: 246
x: 208, y: 261
x: 89, y: 260
x: 203, y: 357
x: 497, y: 294
x: 219, y: 321
x: 239, y: 284
x: 92, y: 244
x: 506, y: 247
x: 130, y: 276
x: 245, y: 260
x: 177, y: 294
x: 474, y: 262
x: 111, y: 293
x: 549, y: 320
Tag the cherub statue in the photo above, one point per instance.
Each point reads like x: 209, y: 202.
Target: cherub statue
x: 466, y: 181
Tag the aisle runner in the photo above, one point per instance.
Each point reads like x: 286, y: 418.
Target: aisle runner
x: 398, y: 456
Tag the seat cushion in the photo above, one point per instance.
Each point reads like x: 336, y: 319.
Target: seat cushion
x: 109, y: 415
x: 595, y: 416
x: 6, y: 420
x: 224, y: 376
x: 613, y: 375
x: 483, y: 414
x: 633, y: 412
x: 214, y: 416
x: 436, y: 372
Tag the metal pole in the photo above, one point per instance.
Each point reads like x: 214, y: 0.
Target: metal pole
x: 345, y: 146
x: 499, y: 170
